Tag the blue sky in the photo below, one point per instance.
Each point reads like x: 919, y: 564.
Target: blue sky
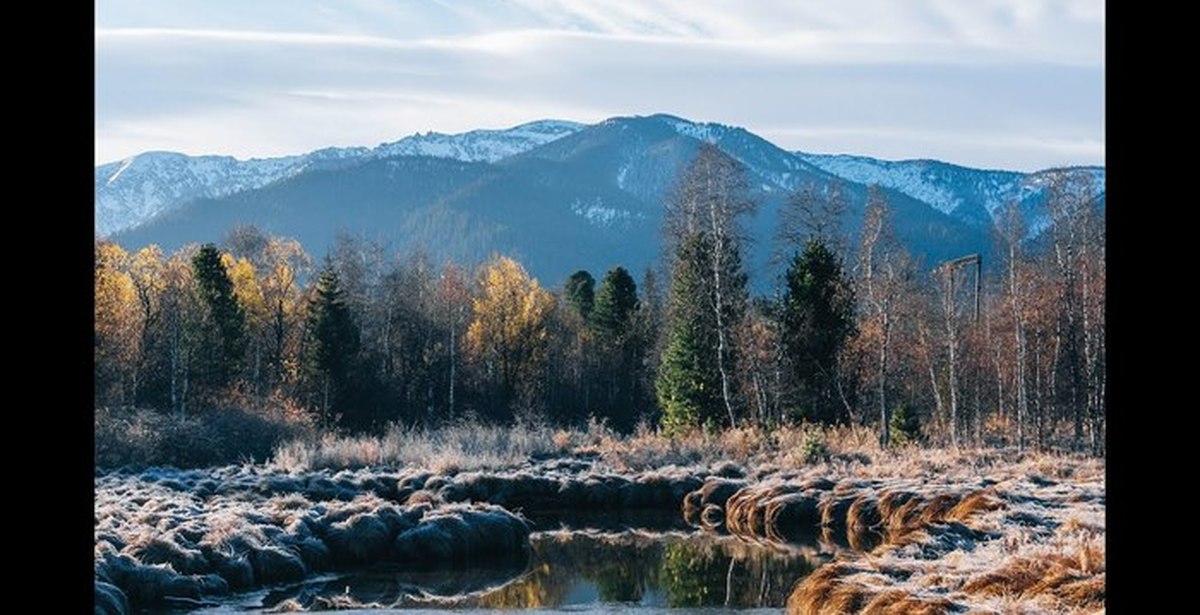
x: 1015, y: 84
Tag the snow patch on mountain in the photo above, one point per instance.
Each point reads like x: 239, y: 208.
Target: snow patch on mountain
x: 921, y: 179
x: 706, y: 131
x: 598, y: 214
x: 479, y: 145
x: 945, y: 186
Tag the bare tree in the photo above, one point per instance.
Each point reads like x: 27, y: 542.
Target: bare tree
x: 884, y: 270
x: 1012, y: 231
x: 950, y: 311
x: 812, y: 212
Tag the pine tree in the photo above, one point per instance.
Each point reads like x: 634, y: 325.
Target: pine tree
x: 223, y: 350
x: 817, y: 320
x: 334, y: 342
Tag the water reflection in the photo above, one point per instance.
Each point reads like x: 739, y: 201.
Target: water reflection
x: 576, y: 568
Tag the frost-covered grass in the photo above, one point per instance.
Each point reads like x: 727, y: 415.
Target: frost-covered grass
x: 1040, y: 551
x: 466, y: 445
x: 842, y: 451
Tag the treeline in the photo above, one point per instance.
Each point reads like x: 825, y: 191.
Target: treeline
x: 1010, y: 351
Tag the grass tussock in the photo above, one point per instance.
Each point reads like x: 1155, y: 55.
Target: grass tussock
x: 862, y: 515
x: 840, y: 588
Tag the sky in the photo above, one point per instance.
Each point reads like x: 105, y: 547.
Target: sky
x: 1010, y: 84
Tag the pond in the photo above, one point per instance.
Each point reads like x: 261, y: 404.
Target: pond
x: 588, y: 571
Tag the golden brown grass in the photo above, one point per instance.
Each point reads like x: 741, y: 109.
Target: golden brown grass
x: 974, y: 503
x: 830, y: 591
x: 1074, y: 581
x: 825, y: 593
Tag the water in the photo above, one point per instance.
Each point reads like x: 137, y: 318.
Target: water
x: 574, y: 571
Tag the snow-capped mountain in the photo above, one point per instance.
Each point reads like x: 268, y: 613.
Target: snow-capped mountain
x: 559, y: 196
x: 975, y: 195
x: 133, y: 190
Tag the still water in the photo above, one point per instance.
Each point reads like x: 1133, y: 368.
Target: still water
x: 572, y: 571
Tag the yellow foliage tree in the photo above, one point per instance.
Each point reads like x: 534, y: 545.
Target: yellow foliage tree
x: 116, y: 324
x: 283, y: 262
x: 147, y: 273
x: 509, y: 330
x: 249, y: 295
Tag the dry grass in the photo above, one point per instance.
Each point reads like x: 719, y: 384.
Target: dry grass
x: 900, y: 602
x: 851, y: 451
x: 462, y: 446
x: 1074, y: 580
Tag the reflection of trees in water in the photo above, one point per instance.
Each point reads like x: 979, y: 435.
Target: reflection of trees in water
x: 575, y: 567
x: 620, y: 571
x: 729, y: 574
x: 631, y: 568
x: 387, y: 585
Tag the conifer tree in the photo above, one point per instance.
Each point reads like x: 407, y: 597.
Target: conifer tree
x: 615, y: 304
x: 705, y: 211
x: 619, y: 345
x: 689, y: 384
x: 817, y: 320
x: 223, y: 349
x: 580, y: 291
x: 334, y: 342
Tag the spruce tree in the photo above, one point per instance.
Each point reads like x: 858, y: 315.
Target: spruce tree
x: 620, y: 347
x: 688, y: 384
x: 334, y: 342
x: 580, y: 291
x: 818, y: 318
x: 223, y: 335
x: 614, y: 305
x: 905, y: 426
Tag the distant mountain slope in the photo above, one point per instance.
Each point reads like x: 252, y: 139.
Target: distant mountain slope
x: 131, y: 191
x: 588, y: 199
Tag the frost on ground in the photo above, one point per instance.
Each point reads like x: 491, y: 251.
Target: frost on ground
x: 917, y: 531
x: 1013, y: 543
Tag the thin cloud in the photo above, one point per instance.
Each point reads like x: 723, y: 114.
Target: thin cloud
x: 363, y: 72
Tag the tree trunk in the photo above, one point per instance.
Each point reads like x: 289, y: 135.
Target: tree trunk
x: 1019, y: 333
x: 952, y: 346
x: 452, y: 349
x: 718, y: 307
x: 939, y: 405
x: 883, y: 353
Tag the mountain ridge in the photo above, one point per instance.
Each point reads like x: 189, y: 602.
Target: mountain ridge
x: 563, y: 196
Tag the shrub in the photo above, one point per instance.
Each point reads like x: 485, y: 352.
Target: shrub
x: 904, y: 426
x: 140, y: 437
x: 813, y: 447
